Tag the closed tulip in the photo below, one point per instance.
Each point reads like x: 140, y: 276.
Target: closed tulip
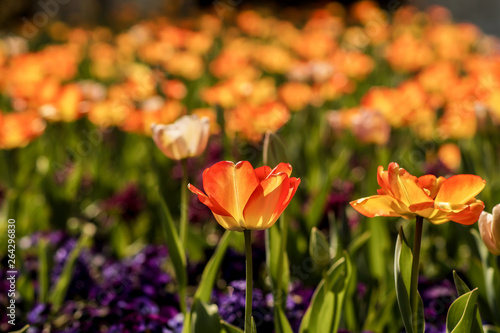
x: 436, y: 199
x: 187, y: 137
x: 489, y: 227
x: 243, y: 198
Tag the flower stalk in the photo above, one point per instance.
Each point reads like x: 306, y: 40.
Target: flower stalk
x: 414, y: 268
x: 184, y: 205
x: 249, y: 281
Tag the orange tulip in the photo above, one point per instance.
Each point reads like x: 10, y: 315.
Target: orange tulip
x: 242, y: 198
x: 436, y: 199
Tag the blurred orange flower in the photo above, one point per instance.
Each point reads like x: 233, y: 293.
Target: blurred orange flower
x: 19, y: 129
x: 449, y: 154
x: 295, y: 95
x: 211, y: 115
x: 244, y: 198
x: 437, y: 199
x: 252, y: 122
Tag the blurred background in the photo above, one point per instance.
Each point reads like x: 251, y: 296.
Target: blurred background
x: 483, y: 13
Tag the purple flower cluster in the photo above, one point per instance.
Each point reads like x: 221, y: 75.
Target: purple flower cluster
x: 437, y: 298
x: 128, y: 295
x: 232, y: 305
x: 127, y: 203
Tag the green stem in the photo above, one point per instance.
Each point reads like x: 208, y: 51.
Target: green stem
x: 283, y: 230
x: 248, y: 299
x: 414, y: 268
x: 184, y: 205
x: 265, y: 148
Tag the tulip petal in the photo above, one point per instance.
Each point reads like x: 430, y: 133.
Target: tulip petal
x: 170, y: 141
x: 435, y: 216
x: 230, y: 185
x: 283, y: 203
x: 282, y: 167
x: 495, y: 227
x: 485, y: 229
x: 469, y: 215
x: 460, y: 189
x: 209, y: 202
x: 431, y: 184
x: 228, y: 222
x: 263, y: 172
x: 197, y: 147
x: 404, y: 186
x: 262, y: 205
x: 380, y: 205
x: 383, y: 181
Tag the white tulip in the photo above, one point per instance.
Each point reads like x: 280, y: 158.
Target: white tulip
x: 489, y: 227
x: 187, y: 137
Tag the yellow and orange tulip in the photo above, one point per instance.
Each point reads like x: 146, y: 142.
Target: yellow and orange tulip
x: 243, y: 198
x: 437, y: 199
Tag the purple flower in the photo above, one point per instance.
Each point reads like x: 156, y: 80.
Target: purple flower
x: 437, y: 298
x: 128, y: 203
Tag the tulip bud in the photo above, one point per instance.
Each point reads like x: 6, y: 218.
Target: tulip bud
x: 489, y: 227
x: 187, y: 137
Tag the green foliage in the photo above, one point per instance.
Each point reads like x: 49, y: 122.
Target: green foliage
x: 324, y: 312
x: 403, y: 259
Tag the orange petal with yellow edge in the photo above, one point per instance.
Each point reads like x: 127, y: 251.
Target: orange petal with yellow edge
x: 262, y: 205
x: 460, y: 188
x: 228, y: 222
x: 383, y: 181
x: 469, y: 215
x: 431, y: 184
x: 380, y: 205
x: 230, y: 185
x: 404, y: 186
x: 282, y: 167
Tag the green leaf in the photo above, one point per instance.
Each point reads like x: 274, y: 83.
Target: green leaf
x: 176, y: 251
x: 402, y: 277
x: 463, y: 288
x: 254, y: 326
x: 277, y: 263
x: 58, y: 293
x: 358, y: 242
x: 281, y: 321
x: 324, y: 312
x: 205, y: 318
x: 462, y: 313
x: 22, y: 329
x: 209, y: 275
x: 315, y: 212
x: 230, y: 328
x: 43, y: 270
x: 491, y: 329
x: 491, y: 274
x: 319, y: 249
x: 403, y: 259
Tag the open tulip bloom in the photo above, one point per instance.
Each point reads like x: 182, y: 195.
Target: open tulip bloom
x: 436, y: 199
x: 243, y: 199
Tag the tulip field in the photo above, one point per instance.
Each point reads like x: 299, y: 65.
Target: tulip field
x: 251, y: 169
